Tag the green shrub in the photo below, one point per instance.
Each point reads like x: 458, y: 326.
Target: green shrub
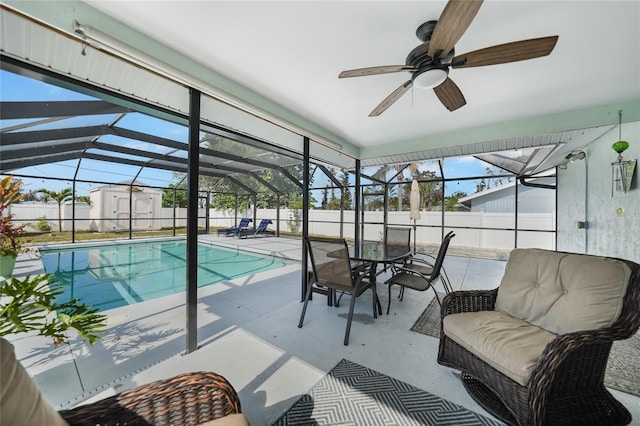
x: 43, y: 225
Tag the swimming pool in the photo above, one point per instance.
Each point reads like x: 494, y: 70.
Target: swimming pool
x: 113, y: 275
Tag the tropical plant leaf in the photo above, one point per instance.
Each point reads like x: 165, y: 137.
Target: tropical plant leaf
x: 27, y: 305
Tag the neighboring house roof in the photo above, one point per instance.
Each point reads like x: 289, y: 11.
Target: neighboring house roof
x: 466, y: 201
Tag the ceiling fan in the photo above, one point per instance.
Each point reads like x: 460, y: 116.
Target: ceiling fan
x: 430, y: 61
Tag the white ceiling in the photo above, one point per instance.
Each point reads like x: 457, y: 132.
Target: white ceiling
x: 292, y: 52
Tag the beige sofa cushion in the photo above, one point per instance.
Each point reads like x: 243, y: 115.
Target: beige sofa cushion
x: 562, y: 292
x: 20, y: 400
x: 509, y: 345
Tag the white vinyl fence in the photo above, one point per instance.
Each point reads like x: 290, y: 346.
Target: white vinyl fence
x: 497, y: 233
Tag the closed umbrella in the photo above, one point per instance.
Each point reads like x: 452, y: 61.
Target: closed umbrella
x: 414, y: 213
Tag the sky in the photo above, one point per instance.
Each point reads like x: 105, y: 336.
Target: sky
x: 14, y: 87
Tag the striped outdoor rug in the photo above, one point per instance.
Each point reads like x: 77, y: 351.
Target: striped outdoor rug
x: 355, y: 395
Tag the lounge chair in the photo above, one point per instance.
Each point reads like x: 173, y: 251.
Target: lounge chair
x: 244, y: 224
x: 260, y: 230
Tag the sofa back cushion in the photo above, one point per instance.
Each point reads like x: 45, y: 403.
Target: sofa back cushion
x: 21, y: 403
x: 563, y: 292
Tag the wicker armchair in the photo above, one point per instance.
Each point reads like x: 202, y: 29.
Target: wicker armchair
x: 566, y: 385
x: 186, y: 399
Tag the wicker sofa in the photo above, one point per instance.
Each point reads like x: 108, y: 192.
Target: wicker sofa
x: 187, y: 399
x: 534, y: 350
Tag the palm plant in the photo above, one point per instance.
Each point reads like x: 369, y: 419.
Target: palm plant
x: 59, y: 197
x: 399, y: 172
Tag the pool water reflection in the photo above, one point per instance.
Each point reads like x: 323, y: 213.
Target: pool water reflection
x: 113, y: 275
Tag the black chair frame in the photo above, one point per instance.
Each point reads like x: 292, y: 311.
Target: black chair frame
x: 420, y: 275
x: 359, y: 280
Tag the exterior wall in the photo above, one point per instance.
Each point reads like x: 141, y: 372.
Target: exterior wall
x: 572, y: 196
x: 530, y: 199
x: 584, y: 193
x: 94, y: 209
x: 537, y: 200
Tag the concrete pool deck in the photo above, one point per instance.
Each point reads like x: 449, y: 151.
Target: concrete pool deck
x: 248, y: 332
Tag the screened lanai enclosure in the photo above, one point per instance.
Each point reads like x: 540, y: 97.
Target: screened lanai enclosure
x: 127, y: 164
x: 145, y: 150
x: 79, y: 140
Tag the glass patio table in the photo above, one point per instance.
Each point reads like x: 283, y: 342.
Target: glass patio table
x: 370, y: 254
x: 374, y: 253
x: 378, y: 252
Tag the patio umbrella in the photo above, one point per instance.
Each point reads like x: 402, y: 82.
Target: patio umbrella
x: 414, y: 213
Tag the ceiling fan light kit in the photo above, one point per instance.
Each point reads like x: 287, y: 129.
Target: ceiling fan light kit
x: 430, y: 78
x: 430, y: 61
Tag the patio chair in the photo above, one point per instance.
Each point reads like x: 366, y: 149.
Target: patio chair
x: 425, y: 266
x: 420, y: 275
x: 186, y: 399
x: 244, y: 224
x: 332, y: 269
x: 397, y: 236
x: 260, y: 230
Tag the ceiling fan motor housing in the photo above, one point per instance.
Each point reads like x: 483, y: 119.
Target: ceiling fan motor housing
x: 425, y: 30
x: 419, y: 56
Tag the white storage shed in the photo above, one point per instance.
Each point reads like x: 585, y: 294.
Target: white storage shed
x: 112, y: 206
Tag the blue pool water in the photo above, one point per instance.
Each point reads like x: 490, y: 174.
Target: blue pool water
x: 114, y: 275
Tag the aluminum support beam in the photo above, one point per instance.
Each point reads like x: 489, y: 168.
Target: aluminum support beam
x: 192, y: 221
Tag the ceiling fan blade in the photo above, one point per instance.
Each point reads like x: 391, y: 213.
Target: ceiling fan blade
x: 359, y: 72
x: 508, y: 52
x: 454, y: 21
x: 450, y: 95
x: 389, y: 100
